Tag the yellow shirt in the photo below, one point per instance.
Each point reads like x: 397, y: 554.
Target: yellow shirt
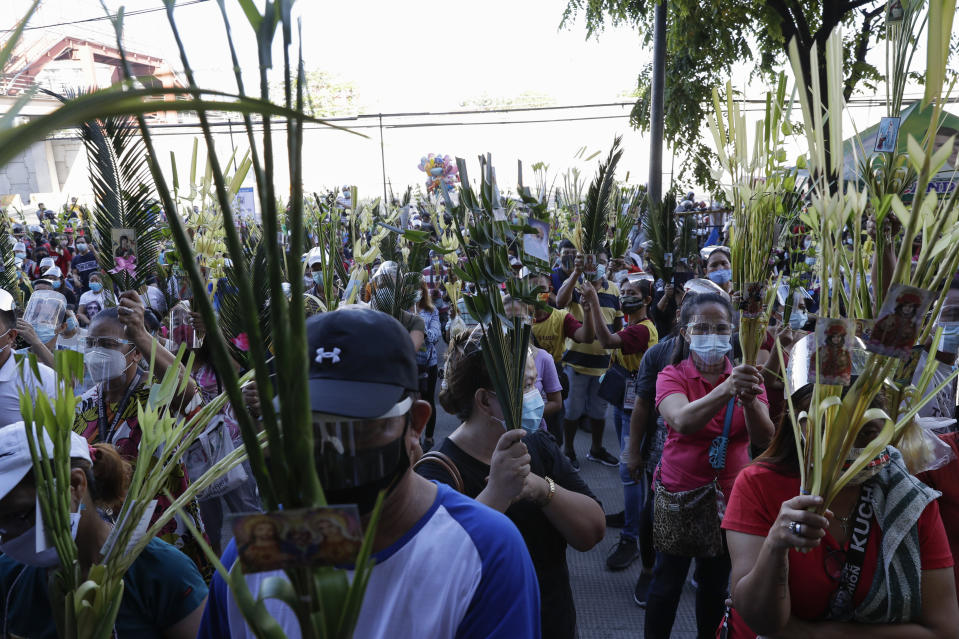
x: 593, y: 359
x: 550, y: 335
x: 631, y: 362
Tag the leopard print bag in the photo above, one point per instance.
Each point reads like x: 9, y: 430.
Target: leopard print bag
x: 687, y: 523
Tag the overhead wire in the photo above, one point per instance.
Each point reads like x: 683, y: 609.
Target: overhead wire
x: 109, y: 16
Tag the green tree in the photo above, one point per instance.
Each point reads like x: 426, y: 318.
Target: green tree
x: 486, y: 102
x: 326, y: 95
x: 706, y: 38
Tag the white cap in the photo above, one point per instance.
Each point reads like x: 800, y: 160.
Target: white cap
x: 53, y: 271
x: 47, y: 262
x: 19, y: 246
x: 15, y: 460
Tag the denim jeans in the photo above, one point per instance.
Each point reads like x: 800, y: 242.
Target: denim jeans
x: 669, y: 576
x: 634, y: 492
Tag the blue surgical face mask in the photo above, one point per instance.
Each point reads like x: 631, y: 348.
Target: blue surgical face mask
x: 71, y: 324
x: 811, y: 261
x: 600, y: 272
x: 710, y: 348
x: 720, y: 276
x: 532, y: 410
x: 55, y: 284
x: 798, y: 319
x: 45, y: 333
x: 950, y: 339
x: 96, y: 287
x: 318, y: 277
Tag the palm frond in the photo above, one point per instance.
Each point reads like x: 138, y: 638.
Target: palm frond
x: 231, y: 311
x: 124, y: 196
x: 594, y: 219
x: 399, y: 294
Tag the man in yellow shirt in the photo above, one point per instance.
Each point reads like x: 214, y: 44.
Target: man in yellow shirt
x: 587, y: 362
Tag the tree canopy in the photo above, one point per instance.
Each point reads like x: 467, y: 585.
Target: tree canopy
x: 707, y: 38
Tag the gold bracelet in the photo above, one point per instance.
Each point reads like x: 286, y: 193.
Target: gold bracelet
x: 549, y: 495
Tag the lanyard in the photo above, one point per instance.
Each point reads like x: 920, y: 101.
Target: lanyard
x: 121, y: 407
x: 841, y: 602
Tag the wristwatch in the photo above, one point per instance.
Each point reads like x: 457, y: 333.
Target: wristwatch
x: 549, y: 496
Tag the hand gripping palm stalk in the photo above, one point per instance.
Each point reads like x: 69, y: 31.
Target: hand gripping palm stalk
x: 827, y: 431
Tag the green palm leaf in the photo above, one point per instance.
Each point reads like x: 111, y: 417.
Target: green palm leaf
x: 598, y: 197
x: 124, y: 196
x: 231, y: 311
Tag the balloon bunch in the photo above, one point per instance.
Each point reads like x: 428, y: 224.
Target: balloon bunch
x: 440, y: 171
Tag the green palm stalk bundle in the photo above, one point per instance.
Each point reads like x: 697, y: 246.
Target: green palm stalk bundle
x: 595, y: 216
x: 10, y: 277
x: 628, y: 207
x: 504, y: 341
x: 87, y: 607
x: 834, y: 419
x: 760, y: 189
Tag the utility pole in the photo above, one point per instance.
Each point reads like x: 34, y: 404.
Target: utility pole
x: 656, y: 124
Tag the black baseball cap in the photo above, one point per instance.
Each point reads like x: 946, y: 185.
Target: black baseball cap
x: 362, y: 363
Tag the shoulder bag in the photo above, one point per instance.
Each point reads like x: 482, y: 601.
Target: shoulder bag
x: 687, y: 523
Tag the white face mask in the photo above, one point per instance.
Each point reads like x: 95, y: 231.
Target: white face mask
x: 710, y: 348
x: 23, y: 548
x: 104, y: 364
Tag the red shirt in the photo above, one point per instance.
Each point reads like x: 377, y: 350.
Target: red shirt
x: 813, y: 576
x: 570, y: 325
x: 635, y: 339
x: 946, y: 480
x: 685, y: 460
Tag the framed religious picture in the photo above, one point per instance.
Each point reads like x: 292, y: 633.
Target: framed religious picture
x: 896, y: 329
x: 832, y: 363
x: 326, y: 536
x: 888, y: 135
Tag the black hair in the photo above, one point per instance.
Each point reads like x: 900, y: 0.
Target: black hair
x: 110, y: 314
x: 566, y: 244
x: 690, y: 304
x: 465, y: 374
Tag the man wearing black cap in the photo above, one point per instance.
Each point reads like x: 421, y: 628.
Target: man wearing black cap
x: 446, y: 566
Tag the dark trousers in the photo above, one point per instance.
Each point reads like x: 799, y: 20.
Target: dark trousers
x: 669, y: 576
x: 428, y: 375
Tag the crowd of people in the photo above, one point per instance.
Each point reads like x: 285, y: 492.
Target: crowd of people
x: 474, y: 531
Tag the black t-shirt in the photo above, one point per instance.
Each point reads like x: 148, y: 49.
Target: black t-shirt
x: 546, y: 545
x: 85, y: 264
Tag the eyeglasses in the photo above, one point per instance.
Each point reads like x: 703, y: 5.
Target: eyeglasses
x: 111, y: 343
x: 705, y: 328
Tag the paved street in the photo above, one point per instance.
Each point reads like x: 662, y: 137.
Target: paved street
x: 604, y: 599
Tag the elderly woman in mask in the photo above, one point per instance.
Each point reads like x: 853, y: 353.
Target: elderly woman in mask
x: 116, y: 342
x: 877, y: 565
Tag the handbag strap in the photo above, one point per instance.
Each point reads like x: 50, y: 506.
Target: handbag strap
x: 436, y: 457
x: 730, y: 409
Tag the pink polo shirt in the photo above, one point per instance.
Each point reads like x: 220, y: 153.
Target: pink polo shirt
x: 685, y: 461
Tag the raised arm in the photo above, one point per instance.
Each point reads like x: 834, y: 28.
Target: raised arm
x: 565, y: 293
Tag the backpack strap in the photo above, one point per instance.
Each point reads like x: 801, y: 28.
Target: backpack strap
x: 438, y: 458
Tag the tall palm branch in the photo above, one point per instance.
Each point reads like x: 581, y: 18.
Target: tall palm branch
x: 595, y: 216
x: 231, y: 312
x: 124, y: 197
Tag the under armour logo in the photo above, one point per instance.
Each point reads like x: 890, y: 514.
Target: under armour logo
x: 333, y: 356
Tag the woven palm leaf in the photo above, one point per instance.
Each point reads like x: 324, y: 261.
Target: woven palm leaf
x: 231, y: 314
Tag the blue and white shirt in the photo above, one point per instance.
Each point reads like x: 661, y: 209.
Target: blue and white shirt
x: 462, y: 571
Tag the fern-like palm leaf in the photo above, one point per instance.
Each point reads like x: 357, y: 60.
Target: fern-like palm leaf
x: 595, y: 216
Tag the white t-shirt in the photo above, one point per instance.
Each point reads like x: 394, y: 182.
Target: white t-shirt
x: 92, y: 303
x: 462, y: 571
x: 11, y: 384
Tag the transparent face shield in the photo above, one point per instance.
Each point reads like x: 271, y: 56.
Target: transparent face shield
x: 356, y: 454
